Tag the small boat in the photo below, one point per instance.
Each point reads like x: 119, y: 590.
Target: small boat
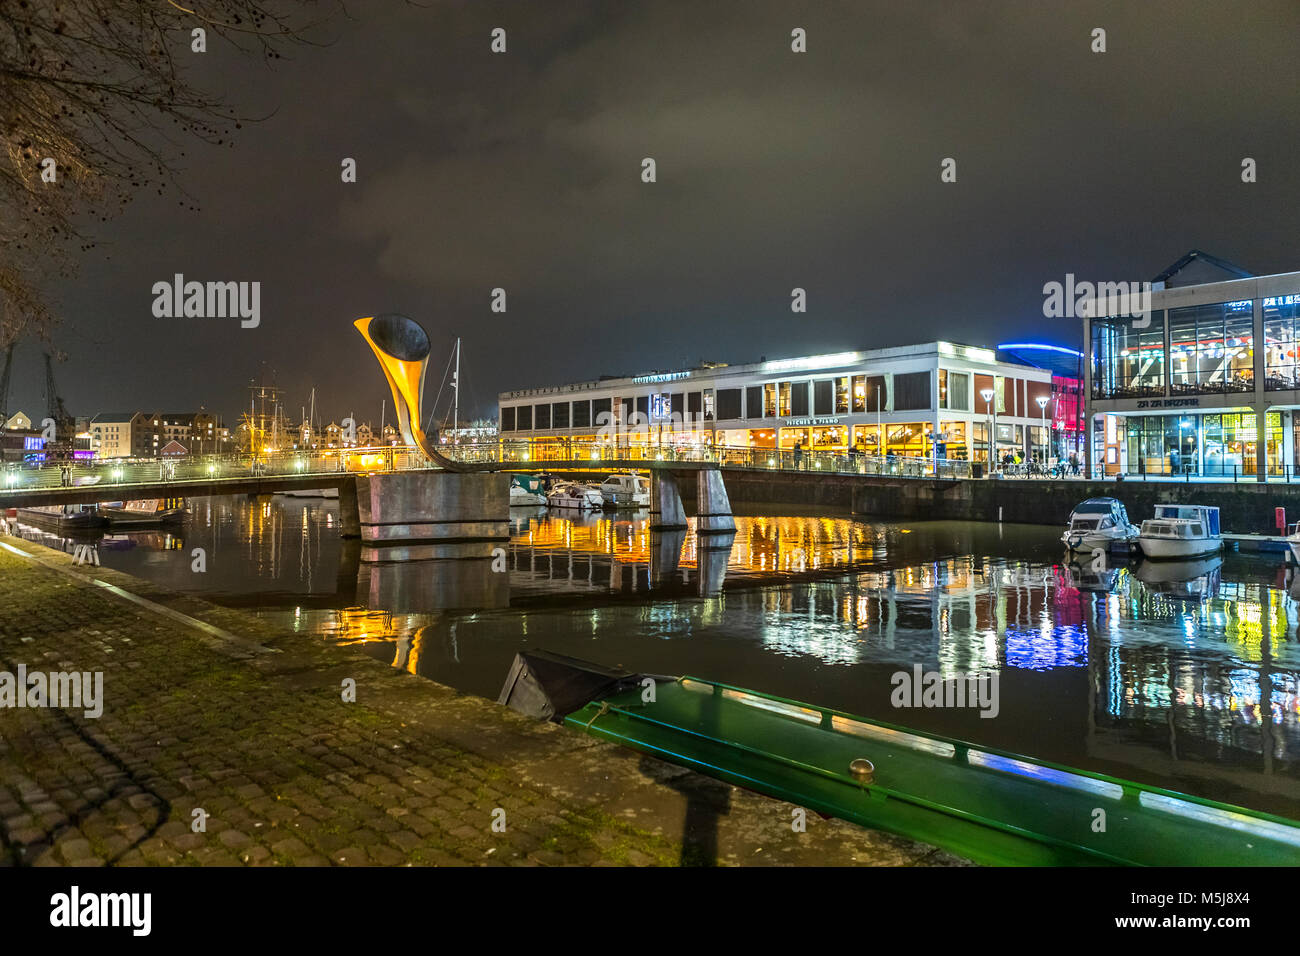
x: 144, y: 513
x: 63, y: 517
x: 1098, y: 523
x: 575, y: 496
x: 626, y: 491
x: 526, y: 490
x: 1181, y: 531
x: 1293, y: 541
x: 989, y: 805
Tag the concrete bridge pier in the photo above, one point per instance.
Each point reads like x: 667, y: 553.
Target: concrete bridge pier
x: 417, y: 515
x: 666, y: 511
x: 713, y: 506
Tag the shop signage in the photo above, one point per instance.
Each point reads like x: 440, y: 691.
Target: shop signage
x: 789, y: 422
x: 1169, y: 403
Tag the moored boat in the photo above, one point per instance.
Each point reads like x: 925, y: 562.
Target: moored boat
x: 63, y: 518
x: 1098, y: 523
x: 1181, y: 531
x: 526, y: 490
x: 626, y: 491
x: 575, y: 496
x: 143, y: 513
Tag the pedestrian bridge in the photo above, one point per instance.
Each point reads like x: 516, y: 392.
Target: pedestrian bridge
x: 86, y: 482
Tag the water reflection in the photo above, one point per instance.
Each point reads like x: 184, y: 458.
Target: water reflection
x: 1180, y: 676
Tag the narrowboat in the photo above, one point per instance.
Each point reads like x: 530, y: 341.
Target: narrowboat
x: 63, y: 518
x: 143, y: 513
x: 985, y: 804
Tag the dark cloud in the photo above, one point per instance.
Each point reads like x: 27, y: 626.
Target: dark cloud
x: 775, y: 170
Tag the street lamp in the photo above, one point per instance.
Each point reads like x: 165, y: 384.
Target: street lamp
x: 987, y: 395
x: 1042, y: 401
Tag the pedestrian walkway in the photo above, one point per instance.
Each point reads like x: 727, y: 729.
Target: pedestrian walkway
x: 210, y: 714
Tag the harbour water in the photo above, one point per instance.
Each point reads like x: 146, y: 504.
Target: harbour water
x: 1183, y: 676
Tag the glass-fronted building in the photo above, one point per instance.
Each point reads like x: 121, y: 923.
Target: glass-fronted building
x: 1205, y: 383
x: 902, y: 401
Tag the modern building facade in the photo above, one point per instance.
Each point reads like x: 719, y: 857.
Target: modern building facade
x: 1206, y: 383
x: 913, y: 401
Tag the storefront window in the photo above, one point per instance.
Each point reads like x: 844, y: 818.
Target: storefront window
x: 842, y: 395
x: 769, y: 400
x: 953, y: 436
x: 1211, y: 348
x: 784, y: 395
x: 867, y: 438
x: 1280, y: 342
x: 907, y: 440
x: 1128, y: 361
x: 831, y: 438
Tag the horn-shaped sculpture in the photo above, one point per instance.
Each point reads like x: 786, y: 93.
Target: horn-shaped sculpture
x: 402, y: 348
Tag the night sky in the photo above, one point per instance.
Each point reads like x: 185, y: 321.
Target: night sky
x: 775, y: 170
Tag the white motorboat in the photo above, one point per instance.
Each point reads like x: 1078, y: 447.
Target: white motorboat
x: 1293, y: 540
x: 1181, y: 531
x: 626, y: 491
x: 1098, y: 523
x: 525, y: 490
x: 575, y: 496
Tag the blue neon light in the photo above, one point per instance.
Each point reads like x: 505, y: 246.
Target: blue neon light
x: 1037, y: 345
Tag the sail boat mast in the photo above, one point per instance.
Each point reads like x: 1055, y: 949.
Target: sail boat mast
x: 455, y: 383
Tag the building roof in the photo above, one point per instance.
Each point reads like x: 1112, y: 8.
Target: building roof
x: 1061, y: 361
x: 115, y: 416
x: 1198, y: 265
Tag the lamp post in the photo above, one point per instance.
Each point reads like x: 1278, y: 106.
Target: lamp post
x: 1042, y: 401
x: 987, y: 395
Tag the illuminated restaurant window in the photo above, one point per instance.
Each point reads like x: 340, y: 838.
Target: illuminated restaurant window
x: 1281, y: 349
x: 842, y: 395
x: 783, y: 399
x: 1211, y: 348
x: 769, y: 400
x: 859, y: 393
x: 708, y: 405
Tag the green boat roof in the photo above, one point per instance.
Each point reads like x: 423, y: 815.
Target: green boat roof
x: 988, y: 805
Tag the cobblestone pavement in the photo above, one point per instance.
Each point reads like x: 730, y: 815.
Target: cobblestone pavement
x: 290, y: 774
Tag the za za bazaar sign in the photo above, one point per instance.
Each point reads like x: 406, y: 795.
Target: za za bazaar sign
x: 1169, y: 403
x: 789, y: 422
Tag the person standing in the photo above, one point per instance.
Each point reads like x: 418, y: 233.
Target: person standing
x: 798, y: 455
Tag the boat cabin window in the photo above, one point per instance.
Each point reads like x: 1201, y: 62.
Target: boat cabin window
x: 1196, y: 530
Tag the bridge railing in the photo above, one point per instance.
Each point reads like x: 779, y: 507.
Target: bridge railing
x: 124, y: 473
